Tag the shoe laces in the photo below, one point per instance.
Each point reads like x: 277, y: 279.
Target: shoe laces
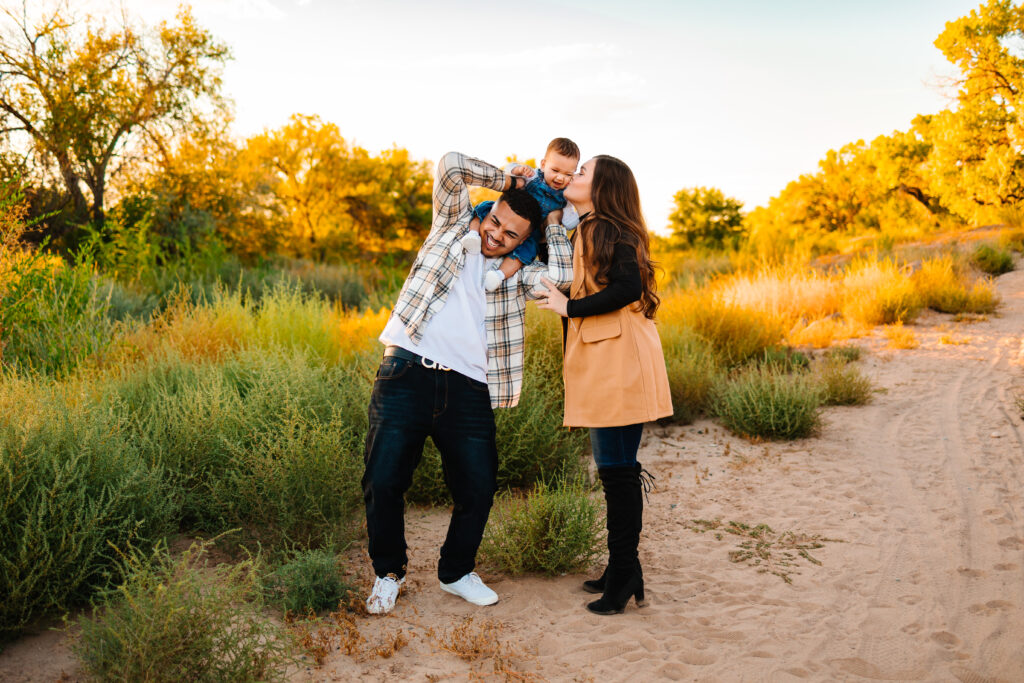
x: 647, y: 482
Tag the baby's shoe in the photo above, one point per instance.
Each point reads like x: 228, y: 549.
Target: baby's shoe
x: 471, y: 243
x: 493, y: 279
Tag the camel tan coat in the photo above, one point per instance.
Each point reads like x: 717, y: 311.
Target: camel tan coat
x: 614, y: 367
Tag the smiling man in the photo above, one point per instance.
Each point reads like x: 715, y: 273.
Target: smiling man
x: 453, y: 352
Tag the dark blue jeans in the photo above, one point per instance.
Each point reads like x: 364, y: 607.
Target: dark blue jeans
x: 408, y: 404
x: 616, y: 446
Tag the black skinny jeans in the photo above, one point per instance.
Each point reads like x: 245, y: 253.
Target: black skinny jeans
x: 408, y: 404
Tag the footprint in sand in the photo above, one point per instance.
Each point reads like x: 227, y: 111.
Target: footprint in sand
x: 912, y: 629
x: 968, y: 676
x: 1012, y: 543
x: 697, y: 658
x: 945, y: 639
x: 970, y: 573
x: 990, y: 607
x: 1005, y: 567
x: 672, y: 671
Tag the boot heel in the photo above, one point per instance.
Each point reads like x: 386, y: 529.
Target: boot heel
x: 639, y: 597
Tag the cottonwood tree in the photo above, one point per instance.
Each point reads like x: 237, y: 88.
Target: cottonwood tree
x: 83, y: 91
x: 705, y: 217
x: 977, y: 162
x: 337, y: 197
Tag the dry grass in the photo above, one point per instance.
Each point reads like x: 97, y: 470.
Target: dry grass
x: 944, y: 286
x: 742, y: 313
x: 339, y: 632
x: 950, y: 340
x: 481, y: 644
x: 879, y: 293
x: 899, y: 337
x: 787, y: 293
x: 822, y: 333
x: 735, y: 332
x: 769, y: 551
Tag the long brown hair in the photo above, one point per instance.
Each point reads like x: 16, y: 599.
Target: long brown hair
x: 617, y: 218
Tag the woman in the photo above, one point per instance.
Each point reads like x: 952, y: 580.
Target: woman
x: 615, y: 378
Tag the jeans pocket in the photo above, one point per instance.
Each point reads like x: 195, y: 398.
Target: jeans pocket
x: 393, y: 368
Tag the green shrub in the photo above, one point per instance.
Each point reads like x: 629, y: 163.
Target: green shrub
x: 309, y: 581
x: 181, y: 620
x: 841, y: 383
x: 549, y: 530
x: 845, y: 354
x: 785, y: 358
x: 693, y: 369
x: 763, y: 401
x: 261, y: 440
x: 72, y: 494
x: 60, y: 320
x: 992, y: 260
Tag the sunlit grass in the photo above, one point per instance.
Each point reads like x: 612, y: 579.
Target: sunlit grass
x: 900, y: 337
x: 879, y: 293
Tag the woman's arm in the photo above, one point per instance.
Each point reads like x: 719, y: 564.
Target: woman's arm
x: 624, y: 286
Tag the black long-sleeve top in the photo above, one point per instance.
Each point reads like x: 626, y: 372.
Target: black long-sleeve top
x: 624, y: 286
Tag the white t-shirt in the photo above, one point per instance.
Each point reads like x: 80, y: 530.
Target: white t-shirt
x: 456, y: 336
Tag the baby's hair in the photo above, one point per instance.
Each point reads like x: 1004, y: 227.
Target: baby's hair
x: 563, y: 146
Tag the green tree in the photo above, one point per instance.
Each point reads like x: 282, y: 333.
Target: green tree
x: 705, y: 217
x: 83, y: 93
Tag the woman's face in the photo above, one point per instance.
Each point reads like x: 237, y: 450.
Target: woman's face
x: 578, y: 191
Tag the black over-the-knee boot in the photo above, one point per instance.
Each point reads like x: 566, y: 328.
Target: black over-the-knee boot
x: 623, y: 579
x: 597, y: 585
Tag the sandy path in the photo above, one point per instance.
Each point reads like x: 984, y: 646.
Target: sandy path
x: 923, y: 488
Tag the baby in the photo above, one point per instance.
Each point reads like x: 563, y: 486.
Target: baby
x: 546, y: 185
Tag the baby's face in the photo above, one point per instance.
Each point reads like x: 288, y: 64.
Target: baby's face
x: 558, y: 169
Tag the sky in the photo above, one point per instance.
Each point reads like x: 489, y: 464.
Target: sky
x: 742, y: 95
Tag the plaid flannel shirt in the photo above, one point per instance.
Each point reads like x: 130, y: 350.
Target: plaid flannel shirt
x: 440, y: 261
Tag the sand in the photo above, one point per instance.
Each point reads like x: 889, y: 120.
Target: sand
x: 916, y: 500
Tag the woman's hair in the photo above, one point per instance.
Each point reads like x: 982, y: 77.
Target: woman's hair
x: 617, y: 218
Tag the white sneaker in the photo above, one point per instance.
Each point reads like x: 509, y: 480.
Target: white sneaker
x: 385, y: 592
x: 472, y: 589
x: 493, y: 279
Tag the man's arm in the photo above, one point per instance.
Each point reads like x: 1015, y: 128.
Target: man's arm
x: 558, y: 269
x: 455, y: 173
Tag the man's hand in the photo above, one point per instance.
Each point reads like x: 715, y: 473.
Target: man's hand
x: 551, y: 298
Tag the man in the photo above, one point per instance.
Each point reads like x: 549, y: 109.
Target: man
x: 453, y: 352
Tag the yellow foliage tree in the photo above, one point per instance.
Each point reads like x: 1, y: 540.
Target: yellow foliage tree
x: 976, y: 165
x: 83, y: 93
x: 337, y: 197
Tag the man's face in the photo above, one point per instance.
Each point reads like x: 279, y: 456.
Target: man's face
x: 558, y: 169
x: 502, y: 230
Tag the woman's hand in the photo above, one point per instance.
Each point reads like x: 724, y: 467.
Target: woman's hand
x: 555, y: 217
x: 551, y: 298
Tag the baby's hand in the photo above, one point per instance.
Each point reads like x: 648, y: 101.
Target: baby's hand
x: 520, y: 169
